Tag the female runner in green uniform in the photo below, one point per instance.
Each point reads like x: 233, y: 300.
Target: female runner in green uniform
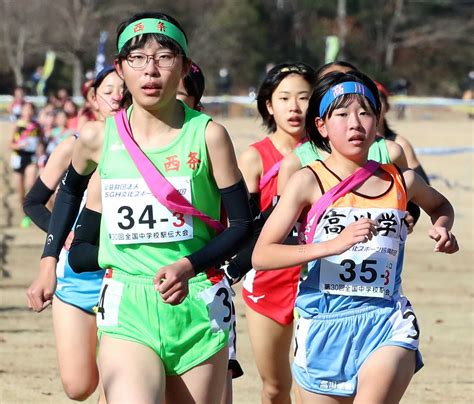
x: 164, y: 310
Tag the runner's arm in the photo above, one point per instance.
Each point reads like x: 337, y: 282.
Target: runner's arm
x: 172, y: 280
x: 35, y: 201
x: 437, y: 207
x: 84, y: 251
x: 250, y: 165
x: 396, y: 154
x: 301, y: 191
x: 71, y: 189
x: 234, y: 198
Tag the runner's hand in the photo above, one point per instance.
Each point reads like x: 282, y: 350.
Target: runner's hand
x: 409, y: 221
x: 172, y: 281
x: 232, y: 278
x: 445, y: 240
x: 360, y: 231
x: 40, y: 293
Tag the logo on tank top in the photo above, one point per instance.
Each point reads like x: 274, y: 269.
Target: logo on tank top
x: 255, y: 299
x: 116, y: 147
x: 193, y: 160
x: 173, y: 163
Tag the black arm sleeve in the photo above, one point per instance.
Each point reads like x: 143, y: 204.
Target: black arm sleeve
x: 66, y: 208
x: 242, y: 262
x: 84, y: 251
x: 226, y: 244
x: 35, y: 202
x: 414, y: 210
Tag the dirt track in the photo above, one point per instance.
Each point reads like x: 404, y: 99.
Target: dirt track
x: 440, y: 287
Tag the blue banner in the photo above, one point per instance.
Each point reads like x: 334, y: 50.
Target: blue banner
x: 100, y: 59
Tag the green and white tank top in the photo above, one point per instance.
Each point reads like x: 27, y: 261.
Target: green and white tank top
x: 139, y: 235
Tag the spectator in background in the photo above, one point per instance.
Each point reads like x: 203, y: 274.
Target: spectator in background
x: 62, y: 95
x: 35, y: 79
x: 72, y: 114
x: 15, y: 106
x: 26, y: 145
x: 54, y: 100
x: 46, y: 119
x: 58, y: 133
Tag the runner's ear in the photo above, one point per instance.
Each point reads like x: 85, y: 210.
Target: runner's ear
x: 321, y: 127
x: 118, y: 68
x: 269, y: 107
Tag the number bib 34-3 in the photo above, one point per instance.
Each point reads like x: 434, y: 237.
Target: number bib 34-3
x: 135, y: 216
x: 367, y: 269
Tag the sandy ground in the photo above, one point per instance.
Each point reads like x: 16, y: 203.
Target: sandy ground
x: 439, y: 286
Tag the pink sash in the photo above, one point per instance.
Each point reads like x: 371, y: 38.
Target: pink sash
x: 345, y: 186
x: 160, y: 187
x: 270, y: 174
x: 274, y: 170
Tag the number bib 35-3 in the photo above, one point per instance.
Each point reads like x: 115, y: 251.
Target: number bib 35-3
x: 135, y: 216
x: 367, y: 269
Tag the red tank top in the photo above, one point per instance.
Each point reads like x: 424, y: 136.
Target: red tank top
x: 269, y: 155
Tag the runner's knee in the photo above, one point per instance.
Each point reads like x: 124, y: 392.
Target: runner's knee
x: 79, y: 390
x: 276, y: 390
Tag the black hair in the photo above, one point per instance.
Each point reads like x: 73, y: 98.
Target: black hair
x: 194, y: 82
x: 321, y: 71
x: 33, y: 106
x: 324, y: 84
x: 101, y: 76
x: 388, y: 132
x: 140, y: 41
x: 271, y: 81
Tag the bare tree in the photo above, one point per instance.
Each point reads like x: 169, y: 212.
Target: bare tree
x: 342, y: 24
x: 20, y: 38
x: 432, y: 32
x: 397, y: 17
x: 78, y: 23
x: 388, y: 17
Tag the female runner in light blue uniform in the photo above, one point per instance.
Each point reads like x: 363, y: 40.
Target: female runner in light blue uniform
x: 76, y: 294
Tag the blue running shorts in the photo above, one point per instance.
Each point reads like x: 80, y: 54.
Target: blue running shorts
x: 331, y: 348
x: 79, y: 290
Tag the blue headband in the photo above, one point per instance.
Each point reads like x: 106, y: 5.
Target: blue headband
x: 347, y: 87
